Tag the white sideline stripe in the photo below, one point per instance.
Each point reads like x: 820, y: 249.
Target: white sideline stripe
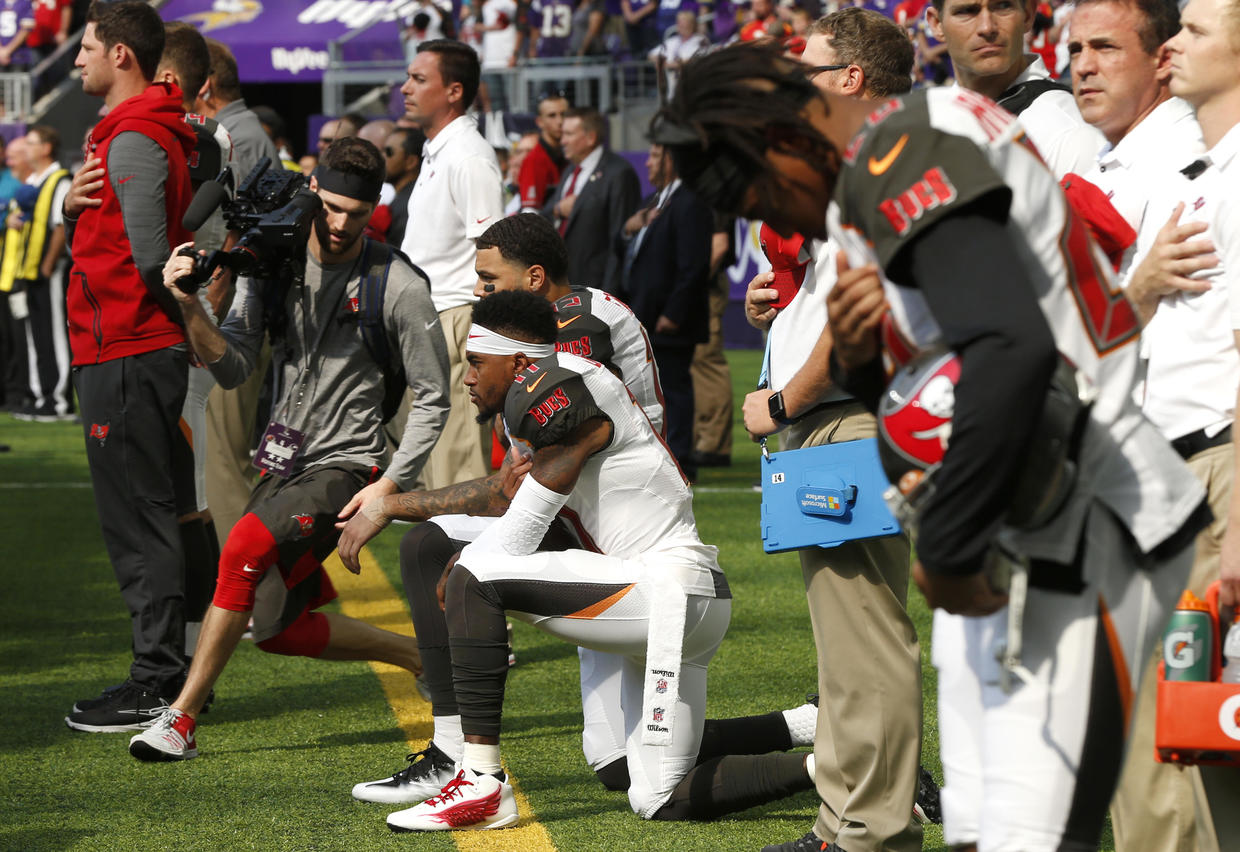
x: 723, y: 489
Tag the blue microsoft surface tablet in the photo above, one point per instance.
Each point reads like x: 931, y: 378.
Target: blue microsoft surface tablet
x: 824, y: 496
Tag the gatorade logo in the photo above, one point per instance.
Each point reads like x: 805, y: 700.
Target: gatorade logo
x: 1181, y: 649
x: 1229, y: 717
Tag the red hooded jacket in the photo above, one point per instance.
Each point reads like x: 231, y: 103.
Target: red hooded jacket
x: 111, y: 312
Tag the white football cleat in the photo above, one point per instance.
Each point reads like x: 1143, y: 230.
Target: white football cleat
x: 468, y: 801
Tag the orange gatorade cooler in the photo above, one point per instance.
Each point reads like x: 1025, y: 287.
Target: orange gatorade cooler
x: 1198, y: 721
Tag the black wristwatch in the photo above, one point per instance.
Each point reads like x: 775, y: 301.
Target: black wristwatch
x: 775, y: 405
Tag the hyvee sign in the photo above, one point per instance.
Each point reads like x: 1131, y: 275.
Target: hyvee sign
x: 279, y: 41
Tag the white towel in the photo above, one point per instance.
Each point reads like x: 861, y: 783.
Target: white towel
x: 663, y: 646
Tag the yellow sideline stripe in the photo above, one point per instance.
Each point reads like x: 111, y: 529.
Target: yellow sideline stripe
x: 370, y: 597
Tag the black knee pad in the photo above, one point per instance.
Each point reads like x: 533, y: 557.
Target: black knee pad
x: 615, y: 775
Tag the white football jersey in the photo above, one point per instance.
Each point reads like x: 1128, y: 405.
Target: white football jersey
x: 596, y: 325
x: 630, y: 500
x: 917, y: 159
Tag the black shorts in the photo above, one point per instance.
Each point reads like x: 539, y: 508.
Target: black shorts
x: 300, y: 513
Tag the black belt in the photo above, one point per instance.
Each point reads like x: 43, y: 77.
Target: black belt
x: 1195, y: 442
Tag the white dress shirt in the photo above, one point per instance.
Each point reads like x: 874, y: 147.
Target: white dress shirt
x: 1193, y: 368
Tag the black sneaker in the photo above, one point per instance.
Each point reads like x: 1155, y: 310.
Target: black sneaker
x: 926, y: 806
x: 99, y: 700
x: 105, y: 696
x: 809, y: 843
x: 129, y: 708
x: 425, y: 776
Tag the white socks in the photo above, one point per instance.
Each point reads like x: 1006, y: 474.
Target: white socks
x: 448, y: 736
x: 482, y: 759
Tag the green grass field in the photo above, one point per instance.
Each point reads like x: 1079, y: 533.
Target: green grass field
x: 288, y: 737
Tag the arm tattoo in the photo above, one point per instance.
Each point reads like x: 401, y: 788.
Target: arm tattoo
x: 476, y: 497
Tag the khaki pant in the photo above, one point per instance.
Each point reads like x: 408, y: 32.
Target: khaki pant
x: 868, y: 743
x: 1162, y: 807
x: 463, y: 451
x: 712, y: 382
x: 230, y: 427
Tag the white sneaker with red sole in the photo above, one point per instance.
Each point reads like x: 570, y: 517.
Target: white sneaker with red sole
x: 468, y: 801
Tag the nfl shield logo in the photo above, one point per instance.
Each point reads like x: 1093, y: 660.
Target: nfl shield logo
x: 657, y: 714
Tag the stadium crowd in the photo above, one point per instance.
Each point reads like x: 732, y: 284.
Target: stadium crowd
x: 512, y: 349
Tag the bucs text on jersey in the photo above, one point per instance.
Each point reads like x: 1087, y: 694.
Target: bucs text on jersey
x: 930, y: 154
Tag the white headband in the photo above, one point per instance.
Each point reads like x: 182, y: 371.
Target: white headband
x: 483, y: 341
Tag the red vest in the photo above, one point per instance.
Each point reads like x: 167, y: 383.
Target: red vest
x: 111, y: 313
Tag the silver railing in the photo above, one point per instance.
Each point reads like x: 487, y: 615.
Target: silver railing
x: 15, y: 93
x: 624, y: 91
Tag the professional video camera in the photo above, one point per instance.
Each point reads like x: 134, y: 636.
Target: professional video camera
x: 273, y: 211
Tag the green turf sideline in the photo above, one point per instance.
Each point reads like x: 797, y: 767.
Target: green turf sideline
x: 288, y: 737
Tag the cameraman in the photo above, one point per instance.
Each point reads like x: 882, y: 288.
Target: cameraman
x: 326, y: 430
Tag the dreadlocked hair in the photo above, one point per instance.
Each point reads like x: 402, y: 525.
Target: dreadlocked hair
x: 730, y: 107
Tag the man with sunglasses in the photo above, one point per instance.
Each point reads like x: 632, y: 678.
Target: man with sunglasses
x: 402, y: 158
x: 867, y: 745
x: 1031, y: 746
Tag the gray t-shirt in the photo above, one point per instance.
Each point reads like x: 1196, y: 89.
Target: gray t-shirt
x: 328, y: 385
x: 250, y: 142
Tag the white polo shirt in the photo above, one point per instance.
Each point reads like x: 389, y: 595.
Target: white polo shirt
x: 1193, y: 368
x: 1055, y: 127
x: 459, y: 194
x: 1146, y: 162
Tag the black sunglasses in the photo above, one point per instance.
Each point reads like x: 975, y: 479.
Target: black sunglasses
x: 815, y: 70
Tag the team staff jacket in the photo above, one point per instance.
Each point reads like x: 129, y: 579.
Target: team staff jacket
x: 327, y: 384
x: 117, y: 305
x: 935, y: 188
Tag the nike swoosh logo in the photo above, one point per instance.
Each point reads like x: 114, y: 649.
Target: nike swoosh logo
x: 877, y: 167
x: 567, y: 322
x: 480, y: 221
x: 122, y: 180
x: 250, y: 570
x: 431, y: 324
x: 532, y: 385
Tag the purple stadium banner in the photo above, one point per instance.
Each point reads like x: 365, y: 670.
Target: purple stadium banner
x: 285, y: 41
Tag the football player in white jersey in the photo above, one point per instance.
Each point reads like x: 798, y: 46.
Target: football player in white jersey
x: 595, y: 460
x: 525, y: 253
x: 980, y: 255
